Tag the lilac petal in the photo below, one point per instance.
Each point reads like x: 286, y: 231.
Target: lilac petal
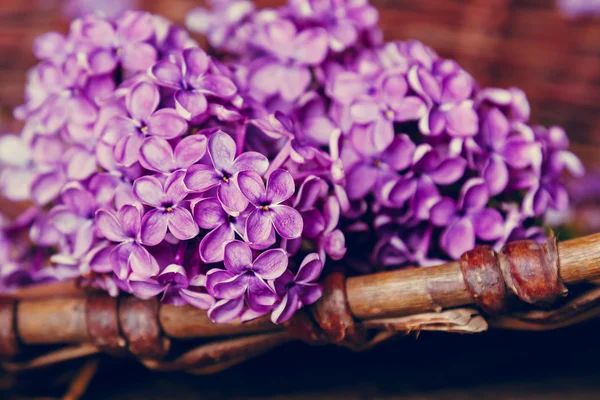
x: 199, y: 300
x: 268, y: 78
x: 409, y: 108
x: 135, y: 26
x: 399, y: 154
x: 462, y: 120
x: 174, y: 275
x: 209, y: 214
x: 230, y: 197
x: 212, y: 246
x: 109, y: 226
x: 146, y: 289
x: 347, y: 86
x: 190, y: 150
x: 449, y: 171
x: 457, y: 87
x: 362, y: 178
x: 81, y: 165
x: 295, y: 82
x: 535, y: 201
x: 226, y: 310
x: 559, y: 197
x: 314, y: 223
x: 496, y: 175
x: 190, y: 104
x: 286, y: 308
x: 154, y: 227
x: 287, y: 221
x: 365, y: 111
x: 84, y: 238
x: 309, y: 293
x: 47, y: 187
x: 495, y: 127
x: 157, y: 155
x: 394, y: 87
x: 175, y: 190
x: 215, y: 276
x: 167, y: 74
x: 474, y: 194
x: 127, y: 149
x: 334, y: 244
x: 182, y: 225
x: 102, y: 61
x: 403, y: 189
x: 142, y: 100
x: 250, y: 161
x: 519, y: 153
x: 222, y: 149
x: 331, y: 212
x: 489, y: 224
x: 426, y: 196
x: 280, y: 186
x: 138, y: 56
x: 149, y: 190
x: 270, y: 264
x: 458, y: 238
x: 259, y: 227
x: 200, y: 178
x: 238, y: 257
x: 130, y: 220
x: 310, y: 46
x: 310, y: 269
x: 166, y: 123
x: 120, y: 260
x: 261, y: 297
x: 252, y: 186
x: 82, y: 111
x: 196, y: 63
x: 443, y: 212
x: 64, y: 220
x: 217, y: 85
x: 231, y: 288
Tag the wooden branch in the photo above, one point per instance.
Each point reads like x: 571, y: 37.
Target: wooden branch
x: 383, y: 295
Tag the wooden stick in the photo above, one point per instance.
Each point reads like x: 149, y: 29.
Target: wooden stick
x: 382, y: 295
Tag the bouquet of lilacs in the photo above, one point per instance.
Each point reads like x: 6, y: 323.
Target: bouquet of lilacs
x: 229, y: 182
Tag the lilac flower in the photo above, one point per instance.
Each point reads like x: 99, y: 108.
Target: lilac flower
x: 142, y: 103
x: 168, y: 210
x: 287, y: 71
x: 299, y: 290
x: 209, y: 214
x: 222, y: 174
x: 175, y: 286
x: 158, y: 155
x: 125, y: 43
x: 244, y: 279
x: 269, y: 211
x: 129, y: 255
x: 189, y: 74
x: 343, y: 20
x: 468, y: 220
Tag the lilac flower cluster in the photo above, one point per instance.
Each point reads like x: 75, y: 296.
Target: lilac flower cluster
x: 228, y: 183
x: 144, y: 179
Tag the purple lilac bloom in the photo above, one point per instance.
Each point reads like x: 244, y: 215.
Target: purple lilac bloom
x: 231, y: 184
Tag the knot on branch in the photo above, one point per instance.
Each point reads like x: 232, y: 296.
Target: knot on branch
x: 329, y: 320
x: 525, y: 268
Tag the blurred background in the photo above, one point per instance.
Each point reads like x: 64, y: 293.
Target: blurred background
x: 550, y: 49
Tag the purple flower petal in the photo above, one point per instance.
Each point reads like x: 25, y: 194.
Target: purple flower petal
x: 226, y: 310
x: 286, y: 308
x: 399, y: 154
x: 310, y: 46
x: 146, y: 289
x: 261, y: 297
x: 209, y: 214
x: 154, y: 227
x: 462, y: 120
x: 488, y: 224
x: 217, y: 85
x: 287, y: 221
x: 157, y: 155
x: 280, y: 186
x: 64, y: 219
x: 130, y: 220
x: 496, y: 175
x: 362, y: 178
x: 238, y: 257
x: 127, y: 149
x: 109, y: 226
x: 182, y: 225
x: 212, y: 245
x: 196, y: 63
x: 200, y: 178
x: 232, y: 288
x: 166, y: 123
x: 175, y: 191
x: 47, y: 187
x: 250, y: 161
x: 309, y: 293
x: 443, y: 212
x: 259, y: 227
x: 138, y: 56
x: 474, y: 194
x: 190, y: 150
x: 167, y: 74
x: 221, y: 149
x: 199, y: 300
x: 142, y: 100
x: 449, y: 171
x: 251, y: 185
x: 310, y: 269
x: 270, y: 264
x: 458, y: 238
x: 190, y: 104
x: 149, y: 191
x: 231, y: 198
x: 141, y: 262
